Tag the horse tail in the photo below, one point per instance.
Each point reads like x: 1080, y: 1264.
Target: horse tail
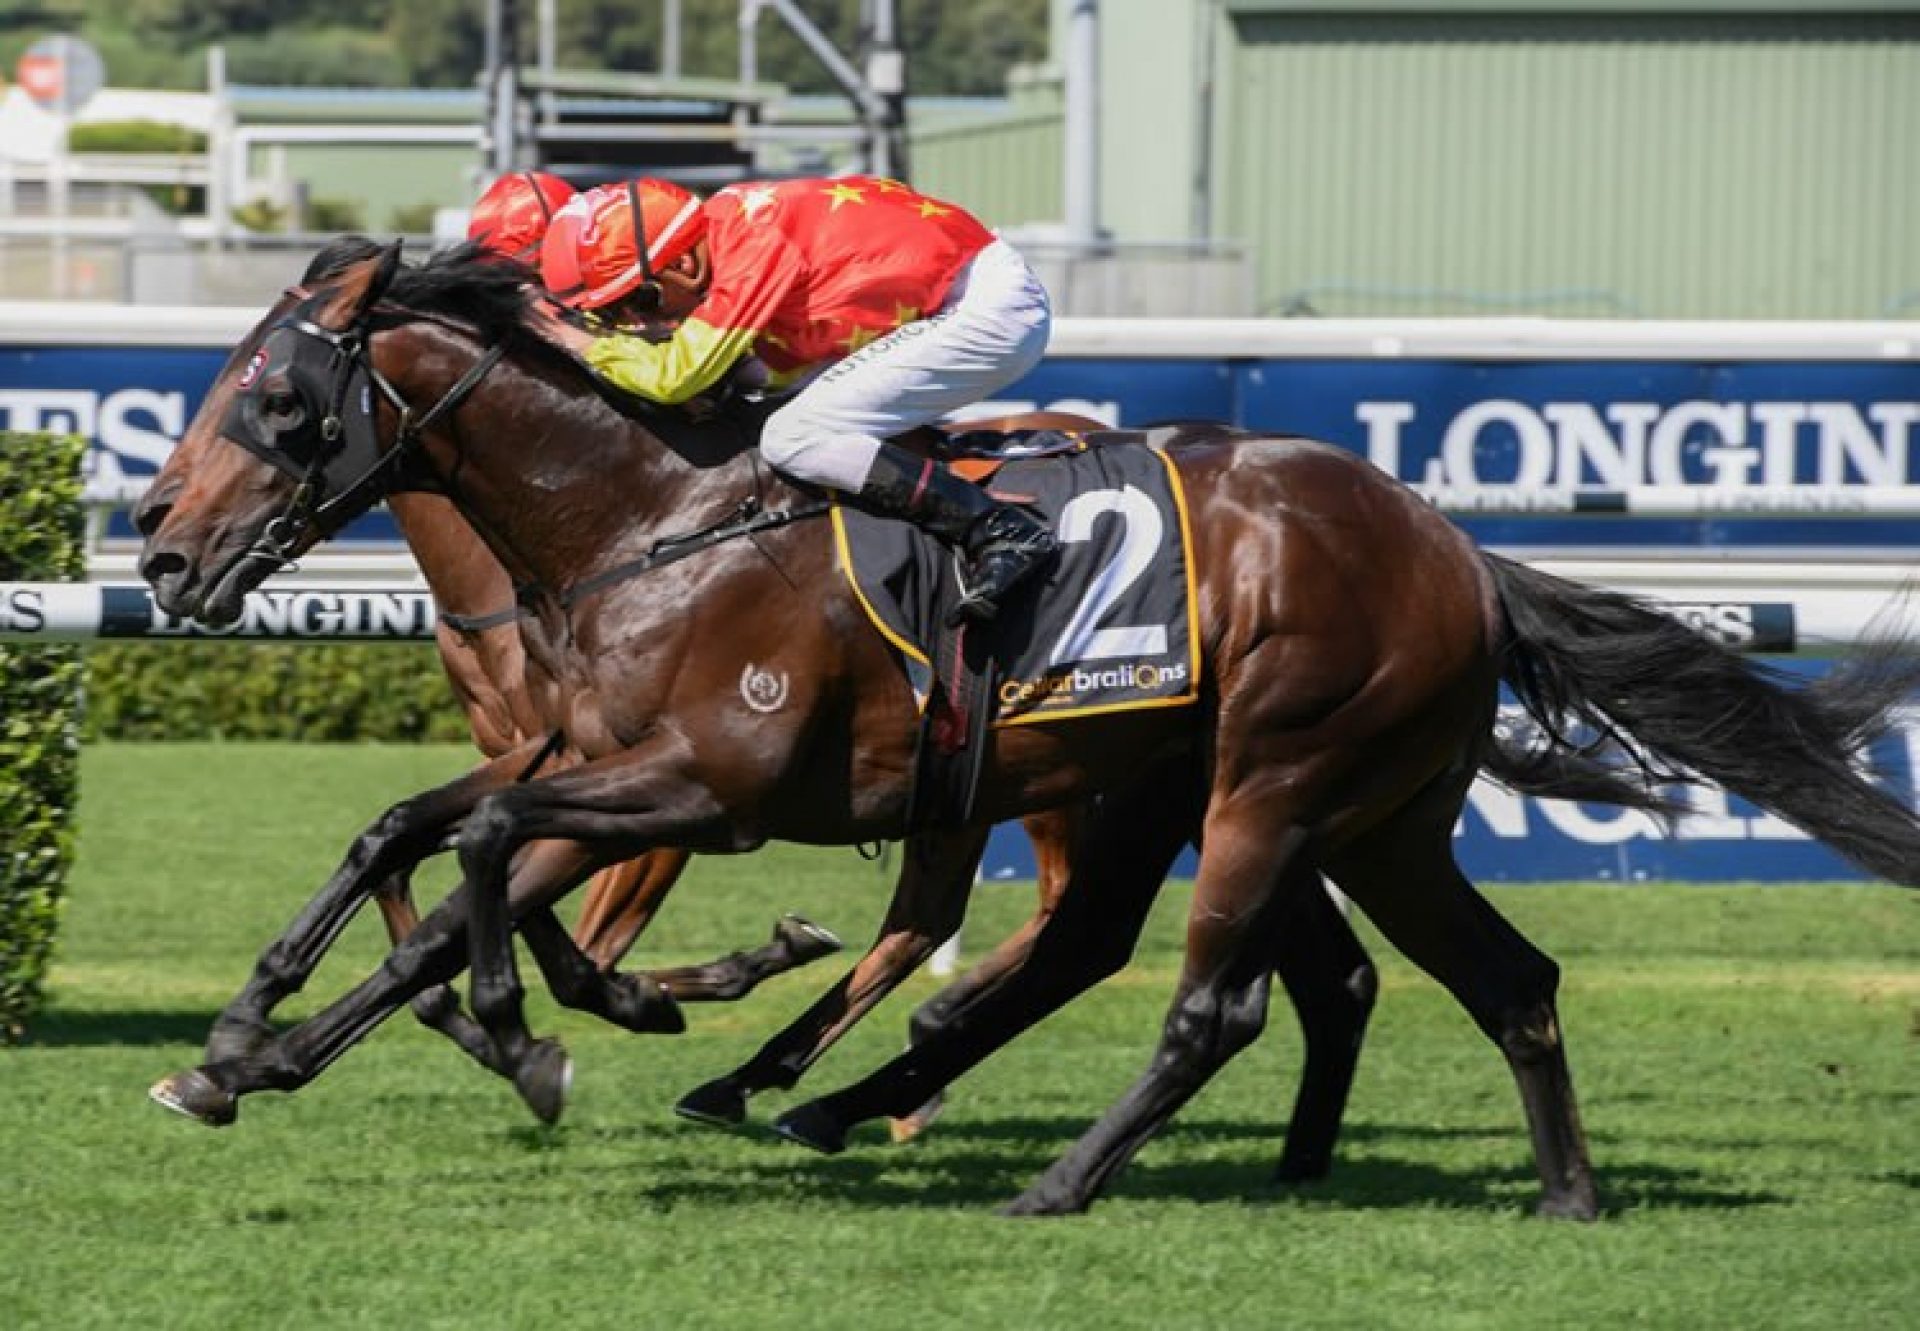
x: 1555, y: 770
x: 1685, y: 708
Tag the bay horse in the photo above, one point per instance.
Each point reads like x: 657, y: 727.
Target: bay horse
x: 1352, y: 643
x: 502, y: 697
x: 507, y: 699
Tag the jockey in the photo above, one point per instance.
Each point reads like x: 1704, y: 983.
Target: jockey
x: 511, y: 218
x: 886, y: 309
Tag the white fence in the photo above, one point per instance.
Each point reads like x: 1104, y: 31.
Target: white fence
x: 1758, y: 607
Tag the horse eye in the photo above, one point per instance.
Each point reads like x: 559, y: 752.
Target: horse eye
x: 281, y: 409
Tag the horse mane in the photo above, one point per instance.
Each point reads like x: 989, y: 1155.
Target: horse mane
x: 467, y: 283
x: 490, y: 294
x: 470, y: 284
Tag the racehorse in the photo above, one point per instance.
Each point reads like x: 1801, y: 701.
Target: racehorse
x: 1352, y: 641
x: 504, y: 694
x: 501, y: 697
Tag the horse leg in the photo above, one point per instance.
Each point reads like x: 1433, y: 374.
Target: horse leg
x: 400, y: 838
x: 619, y: 805
x: 1404, y: 875
x: 929, y: 900
x: 437, y: 1008
x: 1220, y: 1005
x: 1051, y: 833
x: 637, y: 1003
x: 796, y: 942
x: 1119, y: 862
x: 1332, y: 983
x: 431, y: 954
x: 622, y: 901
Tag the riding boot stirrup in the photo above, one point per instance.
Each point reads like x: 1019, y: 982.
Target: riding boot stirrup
x: 1003, y: 545
x: 1005, y: 548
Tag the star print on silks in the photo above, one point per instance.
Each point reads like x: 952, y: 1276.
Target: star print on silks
x: 928, y: 208
x: 757, y: 200
x: 905, y: 314
x: 844, y: 194
x: 892, y: 187
x: 858, y: 338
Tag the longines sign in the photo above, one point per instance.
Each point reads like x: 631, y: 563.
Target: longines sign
x: 1704, y: 420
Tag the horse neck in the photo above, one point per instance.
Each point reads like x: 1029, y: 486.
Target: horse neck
x: 553, y: 480
x: 460, y: 570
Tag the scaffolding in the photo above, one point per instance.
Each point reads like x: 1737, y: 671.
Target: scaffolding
x: 585, y: 124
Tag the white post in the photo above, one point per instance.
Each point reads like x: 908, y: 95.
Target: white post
x: 670, y: 40
x: 59, y: 197
x: 221, y: 172
x: 1083, y: 124
x: 548, y: 40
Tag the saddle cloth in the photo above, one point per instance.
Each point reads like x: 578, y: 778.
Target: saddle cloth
x: 1109, y: 626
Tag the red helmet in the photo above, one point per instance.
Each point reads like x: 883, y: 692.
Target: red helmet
x: 614, y: 237
x: 511, y: 218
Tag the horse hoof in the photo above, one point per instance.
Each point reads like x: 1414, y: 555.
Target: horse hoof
x: 642, y: 1005
x: 196, y: 1095
x: 1291, y: 1171
x: 805, y: 941
x: 812, y: 1127
x: 543, y: 1079
x: 906, y: 1129
x: 718, y: 1104
x: 1041, y: 1202
x: 1579, y: 1204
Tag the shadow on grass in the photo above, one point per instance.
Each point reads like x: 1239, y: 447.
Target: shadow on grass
x: 980, y: 1165
x: 66, y: 1029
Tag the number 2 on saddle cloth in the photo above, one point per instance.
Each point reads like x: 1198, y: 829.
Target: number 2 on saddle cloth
x: 1108, y: 627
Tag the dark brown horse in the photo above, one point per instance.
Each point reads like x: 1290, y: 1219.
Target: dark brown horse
x: 502, y: 697
x: 508, y: 698
x: 1352, y: 643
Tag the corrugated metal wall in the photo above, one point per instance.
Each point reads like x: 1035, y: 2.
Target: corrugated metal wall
x: 1721, y: 166
x: 1007, y: 171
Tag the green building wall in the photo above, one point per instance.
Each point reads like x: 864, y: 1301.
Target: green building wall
x: 1727, y: 165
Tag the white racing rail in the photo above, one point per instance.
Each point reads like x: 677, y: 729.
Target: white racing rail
x: 1755, y: 608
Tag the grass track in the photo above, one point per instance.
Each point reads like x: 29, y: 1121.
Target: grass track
x: 1749, y: 1062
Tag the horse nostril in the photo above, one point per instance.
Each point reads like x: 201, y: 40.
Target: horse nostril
x: 160, y: 565
x: 147, y: 518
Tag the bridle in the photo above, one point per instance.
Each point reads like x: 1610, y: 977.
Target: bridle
x: 343, y: 469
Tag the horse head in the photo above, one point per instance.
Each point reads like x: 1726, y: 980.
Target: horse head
x: 267, y: 466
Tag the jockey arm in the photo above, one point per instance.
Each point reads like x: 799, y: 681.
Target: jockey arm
x: 750, y: 283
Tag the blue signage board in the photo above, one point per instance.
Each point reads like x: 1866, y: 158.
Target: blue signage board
x: 1606, y: 424
x: 1614, y: 425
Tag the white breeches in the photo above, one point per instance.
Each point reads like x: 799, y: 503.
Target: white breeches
x: 991, y: 329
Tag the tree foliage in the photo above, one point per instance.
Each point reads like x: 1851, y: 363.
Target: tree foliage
x: 953, y: 46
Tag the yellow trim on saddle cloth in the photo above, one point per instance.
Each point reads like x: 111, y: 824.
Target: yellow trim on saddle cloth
x: 1192, y: 694
x: 843, y: 555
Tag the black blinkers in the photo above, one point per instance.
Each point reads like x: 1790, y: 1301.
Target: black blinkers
x: 305, y: 406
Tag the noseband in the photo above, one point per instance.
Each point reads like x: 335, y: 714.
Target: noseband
x: 347, y: 469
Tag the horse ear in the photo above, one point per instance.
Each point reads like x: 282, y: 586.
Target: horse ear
x: 359, y: 285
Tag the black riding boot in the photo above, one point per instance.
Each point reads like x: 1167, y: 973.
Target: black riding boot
x: 1003, y: 544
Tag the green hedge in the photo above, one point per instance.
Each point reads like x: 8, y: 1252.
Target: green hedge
x: 41, y: 538
x: 134, y: 136
x: 244, y: 691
